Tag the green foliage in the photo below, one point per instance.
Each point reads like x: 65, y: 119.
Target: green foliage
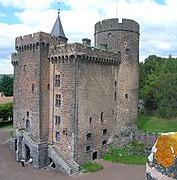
x: 91, y: 167
x: 6, y: 111
x: 7, y: 124
x: 6, y: 84
x: 158, y: 85
x: 155, y: 124
x: 132, y: 154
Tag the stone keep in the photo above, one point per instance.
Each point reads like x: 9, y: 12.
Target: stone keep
x: 71, y: 101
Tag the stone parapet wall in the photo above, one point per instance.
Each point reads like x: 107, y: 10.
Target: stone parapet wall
x: 117, y: 25
x: 77, y: 50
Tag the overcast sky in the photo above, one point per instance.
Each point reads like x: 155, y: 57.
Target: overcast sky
x: 157, y: 19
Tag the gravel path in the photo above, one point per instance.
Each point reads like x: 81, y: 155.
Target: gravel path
x: 12, y: 170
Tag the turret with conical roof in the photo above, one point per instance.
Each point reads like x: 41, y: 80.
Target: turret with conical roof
x: 57, y: 30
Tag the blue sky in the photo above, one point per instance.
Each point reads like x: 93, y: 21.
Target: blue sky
x: 157, y: 19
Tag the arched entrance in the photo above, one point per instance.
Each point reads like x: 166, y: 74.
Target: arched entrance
x: 94, y: 155
x: 27, y: 153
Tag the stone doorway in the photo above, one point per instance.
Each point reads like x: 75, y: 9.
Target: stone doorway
x: 94, y: 155
x: 27, y: 153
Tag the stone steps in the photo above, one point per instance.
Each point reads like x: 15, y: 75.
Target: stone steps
x: 74, y: 167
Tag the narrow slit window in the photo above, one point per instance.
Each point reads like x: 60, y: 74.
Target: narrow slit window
x: 126, y: 96
x: 90, y: 120
x: 115, y: 95
x: 101, y: 117
x: 33, y: 87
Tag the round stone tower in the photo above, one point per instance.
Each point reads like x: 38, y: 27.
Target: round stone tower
x: 113, y: 35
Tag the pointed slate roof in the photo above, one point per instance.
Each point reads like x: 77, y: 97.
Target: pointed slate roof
x: 57, y: 29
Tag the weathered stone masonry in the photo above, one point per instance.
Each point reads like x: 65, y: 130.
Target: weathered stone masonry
x: 72, y: 100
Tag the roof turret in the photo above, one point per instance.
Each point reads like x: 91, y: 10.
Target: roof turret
x: 57, y: 29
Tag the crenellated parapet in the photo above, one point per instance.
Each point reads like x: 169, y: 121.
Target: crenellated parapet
x: 70, y: 52
x: 32, y: 41
x: 14, y: 59
x: 116, y: 25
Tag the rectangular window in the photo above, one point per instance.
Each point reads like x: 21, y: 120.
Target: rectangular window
x: 88, y: 148
x: 57, y: 120
x: 89, y: 136
x: 58, y: 100
x: 57, y: 136
x: 105, y: 131
x: 57, y: 80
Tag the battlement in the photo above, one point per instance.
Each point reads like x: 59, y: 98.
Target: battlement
x: 77, y: 50
x: 32, y: 40
x: 114, y: 24
x: 14, y: 59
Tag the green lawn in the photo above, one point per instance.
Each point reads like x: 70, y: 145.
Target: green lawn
x: 132, y: 154
x: 156, y: 125
x: 91, y: 167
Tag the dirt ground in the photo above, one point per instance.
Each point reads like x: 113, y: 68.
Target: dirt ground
x: 12, y: 170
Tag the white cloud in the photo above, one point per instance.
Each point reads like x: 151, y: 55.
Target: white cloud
x: 30, y: 4
x: 158, y: 22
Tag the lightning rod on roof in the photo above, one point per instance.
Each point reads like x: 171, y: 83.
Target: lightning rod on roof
x: 116, y: 8
x: 58, y: 7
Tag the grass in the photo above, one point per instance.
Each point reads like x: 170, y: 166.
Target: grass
x: 156, y: 125
x: 132, y: 154
x: 91, y: 167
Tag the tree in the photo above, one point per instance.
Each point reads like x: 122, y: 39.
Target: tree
x: 6, y: 85
x: 165, y: 94
x: 158, y: 85
x: 6, y: 111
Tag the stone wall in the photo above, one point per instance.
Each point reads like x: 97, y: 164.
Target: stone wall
x: 96, y: 103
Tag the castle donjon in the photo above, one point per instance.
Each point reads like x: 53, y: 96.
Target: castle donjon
x: 72, y: 100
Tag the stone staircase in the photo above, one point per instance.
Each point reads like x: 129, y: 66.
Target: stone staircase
x: 66, y: 166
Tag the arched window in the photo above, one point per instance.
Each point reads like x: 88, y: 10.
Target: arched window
x: 28, y: 127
